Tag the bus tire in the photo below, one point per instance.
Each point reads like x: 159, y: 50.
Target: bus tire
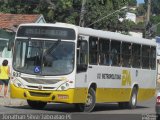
x: 133, y: 99
x: 36, y: 104
x: 90, y: 103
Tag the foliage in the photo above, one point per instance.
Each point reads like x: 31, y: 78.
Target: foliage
x: 98, y: 11
x: 155, y: 20
x: 69, y: 11
x: 155, y: 17
x: 141, y: 10
x: 132, y: 2
x: 155, y: 6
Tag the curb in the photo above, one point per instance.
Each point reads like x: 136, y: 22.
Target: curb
x: 12, y: 102
x: 7, y: 101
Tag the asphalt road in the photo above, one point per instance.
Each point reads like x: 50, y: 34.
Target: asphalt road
x: 110, y: 111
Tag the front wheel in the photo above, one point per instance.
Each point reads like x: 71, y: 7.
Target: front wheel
x: 90, y: 102
x: 36, y: 104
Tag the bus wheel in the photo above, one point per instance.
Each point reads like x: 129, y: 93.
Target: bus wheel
x: 90, y: 102
x: 36, y: 104
x: 133, y: 100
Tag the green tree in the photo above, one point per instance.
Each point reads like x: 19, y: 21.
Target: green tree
x: 155, y: 6
x: 155, y: 20
x: 97, y: 10
x: 69, y: 11
x: 141, y: 10
x: 155, y: 16
x: 132, y: 2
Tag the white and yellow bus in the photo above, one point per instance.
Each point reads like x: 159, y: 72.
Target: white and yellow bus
x: 69, y: 64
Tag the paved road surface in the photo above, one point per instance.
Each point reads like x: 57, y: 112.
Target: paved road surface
x: 101, y: 112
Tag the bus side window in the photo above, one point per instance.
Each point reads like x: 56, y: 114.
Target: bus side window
x: 104, y: 51
x: 84, y: 52
x: 153, y: 58
x: 126, y: 54
x: 82, y: 55
x: 93, y: 50
x: 145, y: 56
x: 136, y: 56
x: 115, y: 53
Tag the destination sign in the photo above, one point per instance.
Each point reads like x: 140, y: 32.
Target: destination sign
x: 46, y: 32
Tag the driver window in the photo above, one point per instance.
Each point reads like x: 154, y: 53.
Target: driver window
x: 82, y: 52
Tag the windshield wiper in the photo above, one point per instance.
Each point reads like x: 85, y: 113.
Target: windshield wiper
x: 53, y: 47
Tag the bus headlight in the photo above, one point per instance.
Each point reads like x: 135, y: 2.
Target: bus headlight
x: 17, y: 83
x: 64, y: 86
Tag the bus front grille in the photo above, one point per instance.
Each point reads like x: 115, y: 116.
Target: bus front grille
x: 36, y: 87
x: 41, y: 81
x: 37, y: 94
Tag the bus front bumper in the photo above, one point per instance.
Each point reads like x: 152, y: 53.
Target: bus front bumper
x: 76, y: 95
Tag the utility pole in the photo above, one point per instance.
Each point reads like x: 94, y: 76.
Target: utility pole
x: 83, y: 11
x: 148, y: 11
x: 147, y: 22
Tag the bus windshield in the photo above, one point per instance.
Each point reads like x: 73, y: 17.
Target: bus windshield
x: 44, y: 57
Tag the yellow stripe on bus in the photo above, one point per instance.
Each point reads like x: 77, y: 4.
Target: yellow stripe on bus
x: 78, y: 95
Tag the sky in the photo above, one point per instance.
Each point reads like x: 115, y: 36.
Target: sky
x: 140, y: 1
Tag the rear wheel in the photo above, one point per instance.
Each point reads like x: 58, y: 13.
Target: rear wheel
x: 132, y: 102
x: 90, y: 102
x: 36, y: 104
x: 133, y: 99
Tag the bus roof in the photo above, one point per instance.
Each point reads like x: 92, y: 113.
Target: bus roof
x: 49, y: 25
x: 115, y: 36
x: 98, y: 33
